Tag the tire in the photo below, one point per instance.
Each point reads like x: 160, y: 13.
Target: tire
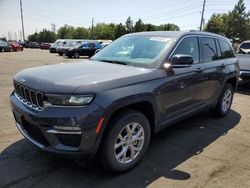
x: 76, y: 55
x: 60, y: 54
x: 118, y: 131
x: 224, y: 104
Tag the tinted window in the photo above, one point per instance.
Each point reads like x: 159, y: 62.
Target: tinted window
x: 245, y: 45
x: 208, y: 49
x: 189, y: 46
x: 226, y: 49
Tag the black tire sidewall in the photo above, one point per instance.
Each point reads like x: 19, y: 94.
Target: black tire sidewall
x: 109, y: 161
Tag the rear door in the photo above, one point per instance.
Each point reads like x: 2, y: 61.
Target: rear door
x: 215, y: 68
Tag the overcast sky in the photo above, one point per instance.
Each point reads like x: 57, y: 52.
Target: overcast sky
x: 40, y: 14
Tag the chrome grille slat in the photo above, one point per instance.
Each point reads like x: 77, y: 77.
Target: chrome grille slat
x: 29, y: 97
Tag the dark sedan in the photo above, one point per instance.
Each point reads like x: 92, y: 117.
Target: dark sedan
x: 88, y: 48
x: 5, y: 47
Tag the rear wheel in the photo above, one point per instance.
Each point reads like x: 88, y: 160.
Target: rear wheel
x: 76, y: 55
x: 126, y: 141
x: 224, y: 104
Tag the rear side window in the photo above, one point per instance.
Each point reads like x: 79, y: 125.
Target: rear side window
x: 208, y: 49
x: 189, y: 46
x: 226, y: 49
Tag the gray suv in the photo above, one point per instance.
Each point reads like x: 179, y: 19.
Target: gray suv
x: 111, y: 104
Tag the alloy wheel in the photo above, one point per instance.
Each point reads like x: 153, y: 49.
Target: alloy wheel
x: 129, y: 143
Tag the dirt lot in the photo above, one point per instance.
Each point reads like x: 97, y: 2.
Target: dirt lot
x: 199, y: 152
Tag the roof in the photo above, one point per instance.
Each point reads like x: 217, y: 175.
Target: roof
x: 176, y: 34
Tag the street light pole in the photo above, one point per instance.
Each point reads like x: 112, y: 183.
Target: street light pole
x: 21, y: 9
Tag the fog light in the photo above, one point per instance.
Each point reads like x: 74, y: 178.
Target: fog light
x: 63, y: 128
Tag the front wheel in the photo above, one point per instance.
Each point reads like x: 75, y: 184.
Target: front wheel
x: 126, y: 141
x: 224, y: 104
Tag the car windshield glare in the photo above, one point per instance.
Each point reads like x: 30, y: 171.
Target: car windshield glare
x: 135, y: 50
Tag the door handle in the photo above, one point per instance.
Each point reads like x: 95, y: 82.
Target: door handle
x: 199, y: 70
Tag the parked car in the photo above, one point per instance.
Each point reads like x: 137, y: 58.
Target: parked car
x: 243, y: 53
x: 16, y: 46
x: 56, y: 44
x: 62, y: 50
x: 45, y: 46
x: 111, y: 104
x: 5, y: 47
x: 32, y: 45
x: 87, y: 48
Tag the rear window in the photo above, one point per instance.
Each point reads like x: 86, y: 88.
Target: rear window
x: 208, y: 49
x: 226, y: 49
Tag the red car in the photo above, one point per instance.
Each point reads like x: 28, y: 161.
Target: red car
x: 45, y: 46
x: 16, y: 46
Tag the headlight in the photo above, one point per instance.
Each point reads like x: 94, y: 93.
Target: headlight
x: 68, y: 100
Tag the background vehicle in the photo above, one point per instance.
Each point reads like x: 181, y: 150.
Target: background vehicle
x: 61, y: 50
x: 16, y: 46
x: 87, y: 48
x: 243, y: 53
x: 56, y: 44
x: 45, y: 46
x: 5, y: 47
x: 111, y: 104
x: 32, y: 45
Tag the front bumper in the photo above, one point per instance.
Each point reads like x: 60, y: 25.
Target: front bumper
x: 245, y: 73
x: 63, y: 130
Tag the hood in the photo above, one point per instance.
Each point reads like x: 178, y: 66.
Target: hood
x: 86, y: 76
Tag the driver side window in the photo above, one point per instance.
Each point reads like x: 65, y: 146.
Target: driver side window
x: 189, y: 46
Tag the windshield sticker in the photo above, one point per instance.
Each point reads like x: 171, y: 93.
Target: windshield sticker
x: 160, y: 39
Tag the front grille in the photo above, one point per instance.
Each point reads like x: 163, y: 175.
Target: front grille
x: 29, y: 96
x: 35, y: 133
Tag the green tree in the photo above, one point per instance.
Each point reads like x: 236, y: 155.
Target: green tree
x: 120, y: 30
x: 217, y: 23
x: 33, y: 37
x: 168, y: 27
x: 65, y: 32
x: 149, y: 27
x: 238, y: 21
x: 80, y: 33
x: 139, y: 26
x: 129, y: 25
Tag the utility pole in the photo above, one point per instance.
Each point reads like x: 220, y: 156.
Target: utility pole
x: 53, y: 27
x: 21, y: 9
x: 202, y: 14
x: 92, y: 28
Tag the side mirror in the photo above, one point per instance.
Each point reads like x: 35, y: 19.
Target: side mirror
x: 181, y: 60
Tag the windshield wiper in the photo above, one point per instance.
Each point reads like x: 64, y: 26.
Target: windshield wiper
x: 114, y: 62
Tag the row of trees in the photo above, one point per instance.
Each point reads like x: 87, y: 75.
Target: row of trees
x: 99, y: 31
x: 234, y: 24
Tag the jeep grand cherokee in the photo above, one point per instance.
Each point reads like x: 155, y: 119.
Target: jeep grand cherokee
x: 111, y: 104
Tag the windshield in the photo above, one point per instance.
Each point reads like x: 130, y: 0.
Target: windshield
x: 135, y: 50
x: 245, y: 46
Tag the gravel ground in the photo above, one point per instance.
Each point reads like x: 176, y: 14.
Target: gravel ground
x: 199, y: 152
